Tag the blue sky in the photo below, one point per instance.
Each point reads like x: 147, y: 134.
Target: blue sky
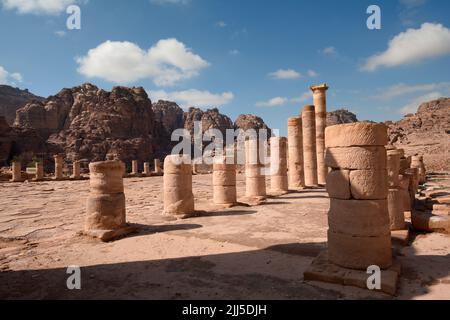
x: 244, y: 56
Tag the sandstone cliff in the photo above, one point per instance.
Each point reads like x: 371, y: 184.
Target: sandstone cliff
x: 426, y: 133
x: 86, y: 122
x: 340, y: 116
x: 12, y: 99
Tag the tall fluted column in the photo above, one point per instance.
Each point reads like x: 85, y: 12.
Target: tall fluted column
x: 320, y: 103
x: 295, y: 151
x: 309, y: 145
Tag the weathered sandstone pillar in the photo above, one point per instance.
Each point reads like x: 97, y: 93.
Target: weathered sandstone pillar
x: 147, y: 168
x: 16, y: 170
x: 395, y: 194
x: 295, y: 154
x: 106, y: 213
x: 224, y: 182
x: 359, y: 228
x: 58, y: 167
x: 157, y: 164
x: 309, y: 146
x: 278, y: 165
x: 39, y: 171
x: 134, y: 168
x: 320, y: 103
x: 413, y: 183
x: 417, y: 162
x: 76, y: 170
x: 255, y: 181
x: 178, y: 196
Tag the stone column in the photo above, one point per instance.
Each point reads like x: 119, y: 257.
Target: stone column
x: 320, y: 103
x: 309, y: 146
x: 278, y: 165
x: 295, y: 152
x: 414, y: 183
x: 39, y: 171
x: 147, y: 168
x: 106, y: 213
x: 16, y: 170
x: 178, y: 196
x: 255, y: 181
x: 157, y: 164
x: 359, y: 228
x: 417, y: 162
x: 224, y: 182
x: 134, y: 168
x: 76, y: 170
x: 58, y: 167
x: 395, y: 194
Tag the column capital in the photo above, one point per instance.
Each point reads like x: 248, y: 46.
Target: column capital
x: 321, y: 87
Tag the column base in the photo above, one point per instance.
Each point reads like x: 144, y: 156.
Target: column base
x: 110, y: 235
x: 322, y: 270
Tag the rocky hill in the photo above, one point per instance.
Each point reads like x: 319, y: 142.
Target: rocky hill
x: 340, y: 116
x: 426, y: 133
x: 11, y: 99
x: 88, y: 123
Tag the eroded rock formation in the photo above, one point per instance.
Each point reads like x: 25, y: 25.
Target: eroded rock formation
x: 425, y: 133
x: 12, y: 99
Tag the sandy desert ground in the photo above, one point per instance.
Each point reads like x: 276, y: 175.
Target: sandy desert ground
x: 255, y: 252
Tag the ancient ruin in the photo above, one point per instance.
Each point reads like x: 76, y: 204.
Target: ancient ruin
x: 106, y: 212
x: 278, y: 166
x: 255, y: 180
x: 178, y: 196
x: 309, y: 146
x: 59, y: 163
x: 224, y: 182
x: 295, y: 154
x: 320, y: 104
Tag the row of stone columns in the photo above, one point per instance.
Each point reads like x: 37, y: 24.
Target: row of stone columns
x: 146, y: 172
x: 16, y: 170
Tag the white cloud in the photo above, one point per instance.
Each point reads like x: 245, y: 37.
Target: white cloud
x: 193, y: 97
x: 166, y: 63
x: 234, y: 52
x: 328, y: 51
x: 312, y: 73
x: 285, y: 74
x: 414, y: 104
x: 412, y: 46
x: 9, y: 78
x: 281, y: 101
x: 403, y: 89
x: 274, y: 102
x: 221, y: 24
x: 51, y: 7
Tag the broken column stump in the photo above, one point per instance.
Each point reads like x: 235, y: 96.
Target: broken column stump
x: 359, y: 233
x: 106, y: 212
x: 178, y: 196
